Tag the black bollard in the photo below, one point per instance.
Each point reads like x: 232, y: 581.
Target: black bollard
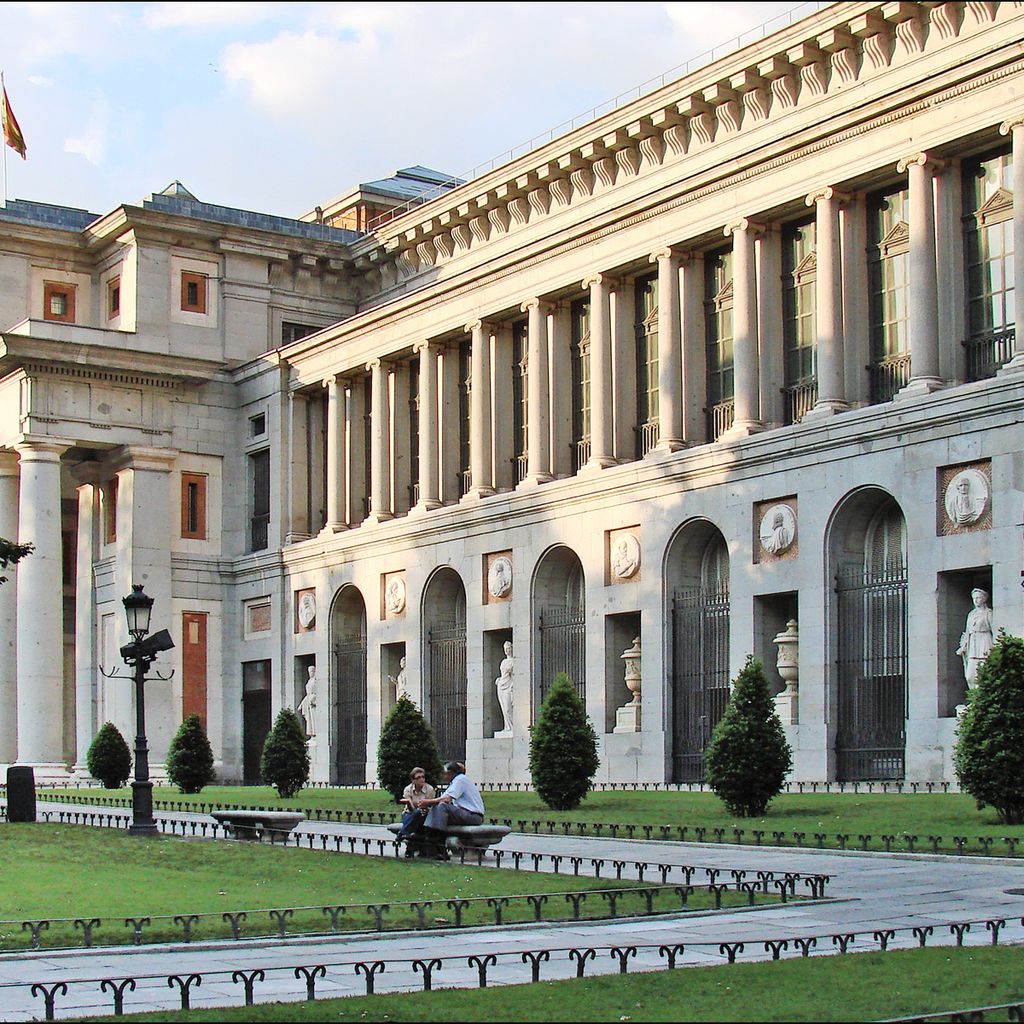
x: 21, y: 794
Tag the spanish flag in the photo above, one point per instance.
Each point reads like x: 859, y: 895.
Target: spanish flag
x: 12, y: 133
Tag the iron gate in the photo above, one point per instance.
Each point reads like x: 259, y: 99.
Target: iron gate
x: 871, y: 725
x: 350, y: 691
x: 447, y: 696
x: 563, y: 648
x: 700, y: 675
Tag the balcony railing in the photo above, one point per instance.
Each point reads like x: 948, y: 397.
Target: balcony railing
x: 465, y: 481
x: 800, y: 398
x: 720, y: 418
x: 887, y: 376
x: 985, y: 354
x: 580, y: 454
x: 259, y: 528
x: 521, y: 464
x: 647, y: 435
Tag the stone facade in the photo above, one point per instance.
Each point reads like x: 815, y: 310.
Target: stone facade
x: 719, y: 361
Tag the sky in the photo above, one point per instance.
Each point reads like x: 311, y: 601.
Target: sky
x: 278, y: 107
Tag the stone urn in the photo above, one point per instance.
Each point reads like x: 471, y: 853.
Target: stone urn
x: 788, y: 665
x: 627, y: 718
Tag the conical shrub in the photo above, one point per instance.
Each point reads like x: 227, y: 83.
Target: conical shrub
x: 190, y: 757
x: 563, y: 748
x: 109, y: 758
x: 285, y: 761
x: 406, y: 742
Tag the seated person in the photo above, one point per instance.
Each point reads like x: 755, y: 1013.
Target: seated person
x: 413, y: 797
x: 461, y: 804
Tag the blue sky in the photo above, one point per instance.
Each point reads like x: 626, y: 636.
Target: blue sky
x: 278, y: 107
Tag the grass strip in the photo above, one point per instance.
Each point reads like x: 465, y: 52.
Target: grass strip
x: 868, y: 986
x: 61, y: 873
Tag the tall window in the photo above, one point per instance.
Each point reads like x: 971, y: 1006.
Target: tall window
x: 646, y: 327
x: 465, y: 389
x: 580, y: 383
x: 193, y: 506
x: 520, y: 393
x: 799, y: 267
x: 718, y: 336
x: 259, y: 483
x: 888, y: 254
x: 988, y: 239
x: 414, y: 432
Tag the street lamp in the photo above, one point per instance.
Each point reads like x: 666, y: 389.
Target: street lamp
x: 139, y: 655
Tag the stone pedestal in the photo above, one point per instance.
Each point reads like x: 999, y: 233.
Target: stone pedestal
x: 787, y: 703
x: 627, y: 719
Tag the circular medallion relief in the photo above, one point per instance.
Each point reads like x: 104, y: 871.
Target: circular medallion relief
x: 307, y: 610
x: 394, y: 596
x: 966, y: 497
x: 778, y: 529
x: 625, y: 556
x: 499, y: 577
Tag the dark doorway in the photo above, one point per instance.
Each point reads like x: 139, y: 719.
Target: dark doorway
x: 256, y: 717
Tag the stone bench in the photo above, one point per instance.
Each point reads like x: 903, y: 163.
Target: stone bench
x: 251, y: 824
x: 468, y: 837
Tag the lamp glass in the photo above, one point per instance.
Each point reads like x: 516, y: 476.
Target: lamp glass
x: 137, y: 608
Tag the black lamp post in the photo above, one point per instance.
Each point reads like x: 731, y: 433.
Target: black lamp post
x: 139, y: 655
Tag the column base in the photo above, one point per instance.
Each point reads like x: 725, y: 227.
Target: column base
x: 422, y: 507
x: 918, y: 386
x: 379, y: 517
x: 534, y: 480
x: 47, y: 771
x: 825, y: 408
x: 1015, y: 365
x: 596, y: 463
x: 476, y: 494
x: 667, y: 446
x: 332, y: 528
x: 742, y: 428
x: 296, y: 538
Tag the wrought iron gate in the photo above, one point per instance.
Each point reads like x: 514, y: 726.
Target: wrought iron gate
x: 447, y: 693
x: 350, y: 695
x: 700, y: 675
x: 563, y: 648
x: 871, y: 725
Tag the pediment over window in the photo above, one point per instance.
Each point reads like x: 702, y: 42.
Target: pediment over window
x: 650, y: 322
x: 898, y: 238
x: 807, y: 267
x: 724, y: 297
x: 998, y: 206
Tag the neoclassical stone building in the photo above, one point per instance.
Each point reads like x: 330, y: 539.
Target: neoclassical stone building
x: 741, y: 354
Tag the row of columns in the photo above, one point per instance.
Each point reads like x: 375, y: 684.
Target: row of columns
x: 680, y: 286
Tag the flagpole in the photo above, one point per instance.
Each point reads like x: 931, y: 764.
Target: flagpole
x: 3, y: 91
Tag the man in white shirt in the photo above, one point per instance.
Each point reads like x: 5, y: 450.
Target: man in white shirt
x: 460, y: 804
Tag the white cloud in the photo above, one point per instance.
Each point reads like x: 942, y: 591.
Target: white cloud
x: 92, y: 144
x: 41, y: 81
x: 207, y: 15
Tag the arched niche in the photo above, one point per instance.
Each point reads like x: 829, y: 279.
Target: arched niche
x: 348, y: 687
x: 444, y: 663
x: 559, y: 618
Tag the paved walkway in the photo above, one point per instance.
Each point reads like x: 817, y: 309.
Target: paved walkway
x: 868, y: 893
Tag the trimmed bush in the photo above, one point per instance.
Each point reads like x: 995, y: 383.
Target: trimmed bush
x: 285, y: 761
x: 109, y: 758
x: 989, y: 754
x: 190, y: 757
x: 747, y: 758
x: 563, y: 748
x: 406, y: 742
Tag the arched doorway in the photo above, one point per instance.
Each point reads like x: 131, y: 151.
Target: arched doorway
x: 868, y: 557
x: 348, y: 636
x: 559, y: 602
x: 445, y: 692
x: 698, y: 581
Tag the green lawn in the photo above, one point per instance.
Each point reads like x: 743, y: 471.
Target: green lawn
x: 868, y: 986
x: 875, y: 815
x: 69, y: 871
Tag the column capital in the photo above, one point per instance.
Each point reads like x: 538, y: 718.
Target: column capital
x: 544, y: 305
x: 1014, y: 122
x: 426, y: 345
x: 9, y: 462
x: 921, y: 159
x: 377, y: 364
x: 41, y: 449
x: 132, y: 456
x: 479, y: 325
x: 599, y: 278
x: 751, y: 227
x: 667, y: 253
x: 335, y: 379
x: 825, y: 194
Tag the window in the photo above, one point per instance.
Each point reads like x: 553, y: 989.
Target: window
x: 59, y: 302
x: 988, y: 245
x: 114, y: 298
x: 888, y: 255
x: 799, y: 272
x: 292, y: 332
x: 520, y: 397
x: 646, y: 328
x: 193, y: 292
x: 193, y: 506
x: 580, y: 354
x: 109, y: 499
x: 718, y: 338
x: 258, y: 425
x: 414, y: 432
x: 259, y: 483
x: 465, y: 389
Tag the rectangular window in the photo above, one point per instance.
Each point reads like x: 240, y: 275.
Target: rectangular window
x: 109, y: 499
x: 292, y: 332
x: 113, y: 298
x: 193, y: 506
x: 193, y: 665
x: 888, y: 256
x: 988, y: 256
x: 718, y: 333
x: 59, y: 302
x: 465, y: 389
x: 799, y: 333
x: 258, y: 425
x: 414, y: 432
x: 520, y: 396
x: 259, y: 483
x: 193, y: 292
x: 646, y: 328
x: 580, y: 369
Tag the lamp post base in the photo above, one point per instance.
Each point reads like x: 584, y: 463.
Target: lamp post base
x: 143, y: 823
